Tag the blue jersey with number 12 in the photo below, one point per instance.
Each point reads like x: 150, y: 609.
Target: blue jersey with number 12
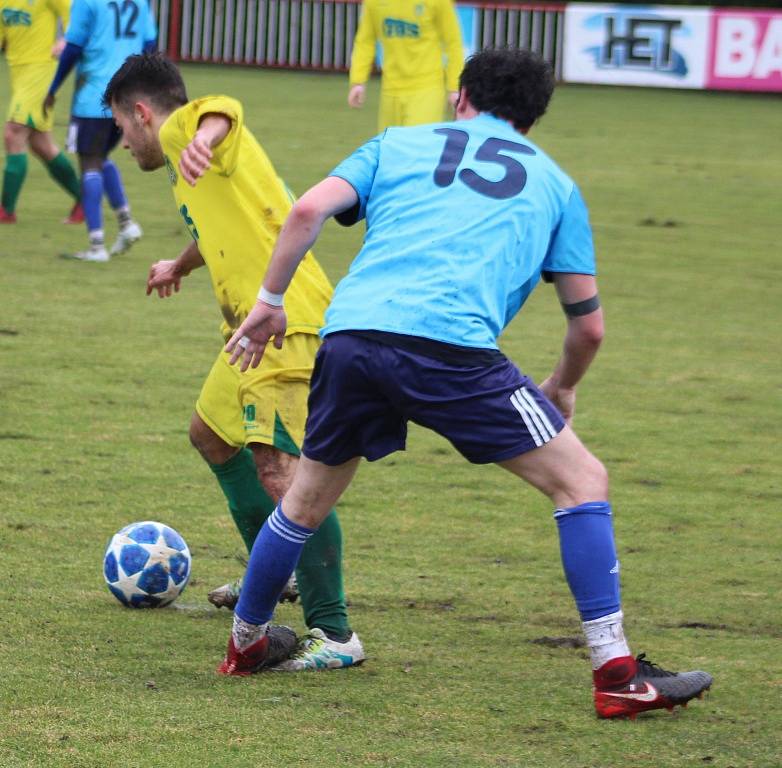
x: 462, y: 218
x: 108, y: 31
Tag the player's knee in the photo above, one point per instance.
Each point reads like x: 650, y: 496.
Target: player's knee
x: 15, y: 138
x: 597, y: 480
x: 43, y: 146
x: 586, y: 481
x: 275, y: 469
x: 213, y: 449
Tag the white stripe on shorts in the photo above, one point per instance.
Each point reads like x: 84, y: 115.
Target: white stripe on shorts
x: 538, y: 425
x: 548, y: 426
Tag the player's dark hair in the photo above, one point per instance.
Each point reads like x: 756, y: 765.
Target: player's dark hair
x: 510, y: 83
x: 150, y: 75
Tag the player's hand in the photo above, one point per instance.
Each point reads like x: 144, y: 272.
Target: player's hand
x: 564, y: 398
x: 453, y: 98
x: 250, y: 340
x: 164, y: 277
x: 356, y: 96
x: 195, y: 160
x: 48, y: 103
x: 58, y: 48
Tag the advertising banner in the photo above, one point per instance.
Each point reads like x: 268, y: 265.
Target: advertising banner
x: 631, y: 45
x: 745, y: 51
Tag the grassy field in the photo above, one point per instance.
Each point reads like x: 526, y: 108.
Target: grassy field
x: 452, y: 570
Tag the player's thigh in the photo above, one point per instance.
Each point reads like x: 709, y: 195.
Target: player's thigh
x: 29, y: 85
x: 350, y: 411
x: 563, y: 469
x: 92, y: 138
x: 274, y: 396
x: 489, y: 411
x: 422, y: 107
x: 390, y: 110
x: 219, y: 406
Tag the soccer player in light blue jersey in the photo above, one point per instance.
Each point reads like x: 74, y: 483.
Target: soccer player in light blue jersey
x: 463, y: 218
x: 100, y: 36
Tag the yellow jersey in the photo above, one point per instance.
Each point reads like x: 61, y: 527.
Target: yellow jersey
x: 234, y: 213
x: 414, y: 34
x: 28, y: 29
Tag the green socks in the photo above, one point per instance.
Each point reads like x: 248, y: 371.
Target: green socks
x: 319, y: 572
x: 61, y: 170
x: 13, y: 179
x: 319, y: 576
x: 249, y: 504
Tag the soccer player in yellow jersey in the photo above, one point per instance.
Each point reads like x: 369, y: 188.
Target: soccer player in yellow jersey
x: 415, y: 36
x: 28, y: 33
x: 247, y: 426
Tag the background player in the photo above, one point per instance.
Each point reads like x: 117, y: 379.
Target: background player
x: 100, y: 37
x: 414, y: 35
x: 28, y: 34
x: 247, y: 426
x: 454, y: 245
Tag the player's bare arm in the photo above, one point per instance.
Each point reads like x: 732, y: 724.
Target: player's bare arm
x: 197, y: 155
x: 165, y: 276
x: 267, y: 318
x: 579, y: 299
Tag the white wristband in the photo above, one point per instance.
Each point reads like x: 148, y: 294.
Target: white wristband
x: 267, y: 297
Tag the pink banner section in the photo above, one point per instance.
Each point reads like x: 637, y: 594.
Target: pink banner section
x: 745, y: 51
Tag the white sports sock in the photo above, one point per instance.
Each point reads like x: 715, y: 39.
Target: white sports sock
x: 245, y: 634
x: 96, y: 237
x: 605, y: 638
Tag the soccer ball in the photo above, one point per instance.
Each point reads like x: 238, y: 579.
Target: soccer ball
x: 146, y: 565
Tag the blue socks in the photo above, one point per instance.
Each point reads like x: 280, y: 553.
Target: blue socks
x: 91, y: 197
x: 586, y: 543
x: 112, y: 183
x: 272, y: 560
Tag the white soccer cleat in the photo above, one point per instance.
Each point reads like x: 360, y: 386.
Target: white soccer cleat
x: 97, y: 253
x: 316, y: 651
x: 128, y: 235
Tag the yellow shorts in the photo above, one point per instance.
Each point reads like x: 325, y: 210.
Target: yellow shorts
x: 265, y: 405
x: 29, y: 85
x: 411, y: 108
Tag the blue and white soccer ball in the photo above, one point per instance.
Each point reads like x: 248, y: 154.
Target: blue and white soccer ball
x: 146, y: 565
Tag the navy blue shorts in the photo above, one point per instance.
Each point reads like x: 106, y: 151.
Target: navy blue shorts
x: 364, y: 392
x: 93, y: 135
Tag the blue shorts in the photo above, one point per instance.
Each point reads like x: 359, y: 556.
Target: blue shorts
x: 364, y: 392
x: 93, y: 135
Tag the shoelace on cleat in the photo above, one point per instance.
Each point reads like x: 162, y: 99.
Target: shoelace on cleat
x: 650, y: 669
x: 309, y: 644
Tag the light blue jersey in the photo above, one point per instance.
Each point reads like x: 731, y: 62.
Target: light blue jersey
x: 462, y: 218
x: 108, y: 31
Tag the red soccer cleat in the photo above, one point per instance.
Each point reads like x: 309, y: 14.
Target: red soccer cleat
x: 5, y: 217
x: 274, y: 647
x: 76, y: 216
x: 626, y: 686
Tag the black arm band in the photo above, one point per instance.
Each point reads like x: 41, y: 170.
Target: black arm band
x: 584, y: 307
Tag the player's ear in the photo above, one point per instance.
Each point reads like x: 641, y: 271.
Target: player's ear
x: 463, y: 108
x: 142, y: 113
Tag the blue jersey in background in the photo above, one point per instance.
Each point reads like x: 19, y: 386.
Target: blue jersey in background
x: 108, y: 31
x: 462, y: 218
